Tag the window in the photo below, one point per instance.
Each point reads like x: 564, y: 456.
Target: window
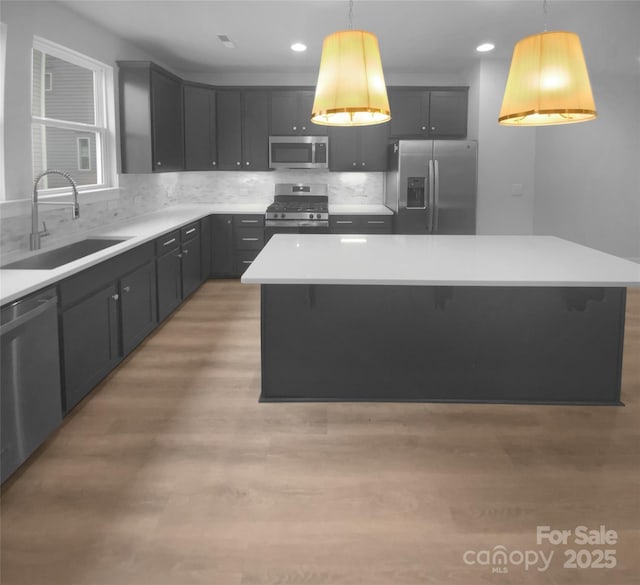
x: 72, y: 130
x: 84, y: 153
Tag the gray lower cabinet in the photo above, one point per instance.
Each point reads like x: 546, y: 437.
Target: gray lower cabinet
x: 169, y: 274
x: 105, y: 311
x: 138, y: 305
x: 91, y: 347
x: 179, y: 267
x: 361, y: 224
x: 236, y: 239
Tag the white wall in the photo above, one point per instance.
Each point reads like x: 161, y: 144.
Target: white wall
x: 505, y: 158
x: 588, y: 174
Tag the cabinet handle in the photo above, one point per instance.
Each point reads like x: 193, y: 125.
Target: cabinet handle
x: 115, y: 297
x: 158, y: 164
x: 345, y: 221
x: 247, y: 261
x: 237, y: 163
x: 248, y: 221
x: 249, y: 239
x: 374, y: 221
x: 433, y: 128
x: 423, y: 128
x: 304, y: 127
x: 190, y: 231
x: 295, y: 127
x: 126, y: 289
x: 228, y: 222
x: 247, y: 163
x: 354, y: 163
x: 185, y: 252
x: 169, y: 242
x: 178, y: 255
x: 364, y: 164
x: 213, y: 163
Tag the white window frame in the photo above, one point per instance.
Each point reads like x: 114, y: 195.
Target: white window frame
x: 3, y: 52
x: 104, y: 127
x: 79, y: 141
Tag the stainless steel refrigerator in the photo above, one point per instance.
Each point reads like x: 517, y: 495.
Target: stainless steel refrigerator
x: 431, y: 186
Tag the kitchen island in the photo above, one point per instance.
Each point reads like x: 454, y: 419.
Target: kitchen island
x: 530, y: 319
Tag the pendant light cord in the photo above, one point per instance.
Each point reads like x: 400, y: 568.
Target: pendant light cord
x: 351, y: 14
x: 546, y: 13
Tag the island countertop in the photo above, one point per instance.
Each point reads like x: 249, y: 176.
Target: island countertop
x: 437, y: 260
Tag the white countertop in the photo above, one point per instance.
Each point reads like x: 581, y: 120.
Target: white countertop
x: 17, y: 283
x: 341, y: 209
x: 437, y: 260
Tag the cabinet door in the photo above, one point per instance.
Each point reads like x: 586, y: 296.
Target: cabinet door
x: 169, y: 282
x: 284, y: 113
x: 409, y: 113
x: 138, y: 305
x: 200, y: 128
x: 344, y: 149
x: 448, y: 114
x: 305, y: 107
x: 373, y: 147
x: 255, y: 130
x: 191, y: 266
x: 229, y: 120
x: 221, y: 245
x: 166, y: 120
x: 91, y: 349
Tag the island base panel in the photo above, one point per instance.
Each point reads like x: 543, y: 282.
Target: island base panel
x: 442, y: 343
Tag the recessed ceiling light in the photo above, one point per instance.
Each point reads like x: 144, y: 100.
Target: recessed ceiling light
x: 484, y: 47
x: 298, y: 47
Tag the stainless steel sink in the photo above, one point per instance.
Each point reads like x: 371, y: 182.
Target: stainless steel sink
x: 54, y: 258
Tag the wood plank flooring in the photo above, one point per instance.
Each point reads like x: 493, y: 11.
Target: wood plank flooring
x: 172, y: 473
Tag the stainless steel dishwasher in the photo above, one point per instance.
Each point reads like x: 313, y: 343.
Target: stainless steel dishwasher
x: 30, y: 396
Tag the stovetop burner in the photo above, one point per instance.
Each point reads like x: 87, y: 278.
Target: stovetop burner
x: 298, y: 204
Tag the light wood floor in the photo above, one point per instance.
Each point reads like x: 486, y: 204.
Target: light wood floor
x: 172, y: 473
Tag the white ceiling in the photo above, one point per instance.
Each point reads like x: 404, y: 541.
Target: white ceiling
x: 431, y: 37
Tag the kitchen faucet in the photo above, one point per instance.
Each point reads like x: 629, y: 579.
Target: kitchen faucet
x: 34, y: 237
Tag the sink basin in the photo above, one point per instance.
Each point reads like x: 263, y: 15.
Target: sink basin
x: 54, y: 258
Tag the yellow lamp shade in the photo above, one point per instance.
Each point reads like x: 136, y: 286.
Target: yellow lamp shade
x: 548, y: 82
x: 351, y: 90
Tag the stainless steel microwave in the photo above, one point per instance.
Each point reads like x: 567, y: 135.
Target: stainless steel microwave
x: 298, y: 152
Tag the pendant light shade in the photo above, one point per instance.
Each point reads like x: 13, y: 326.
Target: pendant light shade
x: 351, y: 90
x: 548, y: 82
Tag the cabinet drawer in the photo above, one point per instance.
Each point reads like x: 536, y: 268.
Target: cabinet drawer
x: 190, y: 231
x: 253, y: 220
x: 167, y: 243
x: 343, y: 224
x: 376, y: 224
x: 247, y: 238
x: 243, y: 259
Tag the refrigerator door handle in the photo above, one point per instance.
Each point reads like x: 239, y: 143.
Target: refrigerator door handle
x: 431, y: 205
x: 436, y: 196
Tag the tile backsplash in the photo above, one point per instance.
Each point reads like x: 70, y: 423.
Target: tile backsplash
x: 141, y: 194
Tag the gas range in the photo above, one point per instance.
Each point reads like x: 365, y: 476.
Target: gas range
x: 298, y: 204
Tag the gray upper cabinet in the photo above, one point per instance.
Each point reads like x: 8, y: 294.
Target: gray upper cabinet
x: 291, y: 113
x: 428, y: 113
x: 200, y: 138
x: 361, y: 148
x: 243, y: 129
x: 151, y: 118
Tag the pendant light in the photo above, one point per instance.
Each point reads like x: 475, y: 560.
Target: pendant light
x: 350, y: 90
x: 548, y: 82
